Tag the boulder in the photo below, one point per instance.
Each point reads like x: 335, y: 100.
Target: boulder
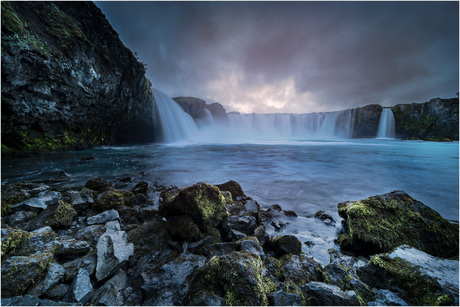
x: 81, y: 290
x: 90, y: 234
x: 171, y: 285
x: 337, y: 275
x: 381, y: 223
x: 38, y: 242
x: 71, y: 248
x: 12, y: 239
x: 281, y: 245
x: 19, y: 219
x: 237, y: 277
x: 418, y: 278
x: 87, y: 262
x: 234, y: 188
x: 32, y: 300
x: 21, y: 272
x: 328, y: 295
x: 205, y: 299
x: 220, y: 249
x: 141, y: 188
x: 301, y: 269
x: 97, y: 184
x: 282, y: 298
x: 245, y: 224
x: 150, y: 237
x: 326, y: 218
x: 39, y: 203
x: 202, y: 202
x: 54, y: 275
x: 252, y: 246
x: 387, y: 298
x: 103, y: 217
x: 113, y: 250
x: 183, y: 228
x: 113, y: 199
x: 58, y: 216
x: 111, y: 293
x: 82, y: 200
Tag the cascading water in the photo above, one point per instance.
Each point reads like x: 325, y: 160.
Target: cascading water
x: 386, y: 124
x: 176, y: 124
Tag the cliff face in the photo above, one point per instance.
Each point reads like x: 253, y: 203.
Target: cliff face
x: 196, y: 108
x: 68, y: 81
x: 366, y: 121
x: 437, y: 118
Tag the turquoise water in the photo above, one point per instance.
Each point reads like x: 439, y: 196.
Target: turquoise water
x: 304, y: 176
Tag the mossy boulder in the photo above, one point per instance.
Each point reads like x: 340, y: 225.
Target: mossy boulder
x: 13, y: 194
x: 149, y: 238
x: 281, y: 245
x: 12, y: 239
x: 415, y: 276
x: 20, y: 272
x: 237, y: 277
x: 97, y: 184
x: 381, y: 223
x: 234, y: 188
x: 62, y: 217
x: 204, y: 203
x: 113, y: 199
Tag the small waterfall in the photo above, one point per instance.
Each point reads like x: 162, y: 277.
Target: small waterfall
x: 176, y: 124
x: 386, y: 124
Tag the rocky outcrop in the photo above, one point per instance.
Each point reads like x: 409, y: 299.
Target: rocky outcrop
x: 68, y: 81
x: 432, y: 120
x: 196, y: 108
x: 366, y: 121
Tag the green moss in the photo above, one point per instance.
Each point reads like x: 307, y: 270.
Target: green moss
x: 64, y: 27
x: 63, y: 216
x: 415, y: 287
x: 113, y: 199
x: 12, y: 241
x: 11, y: 195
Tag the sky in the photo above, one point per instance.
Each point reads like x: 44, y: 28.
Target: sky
x: 294, y: 57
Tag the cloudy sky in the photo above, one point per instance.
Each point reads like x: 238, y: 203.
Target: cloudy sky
x: 296, y: 57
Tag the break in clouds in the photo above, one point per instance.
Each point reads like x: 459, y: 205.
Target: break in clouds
x: 294, y: 56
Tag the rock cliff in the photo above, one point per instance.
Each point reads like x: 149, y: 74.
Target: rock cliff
x: 196, y: 108
x: 366, y: 121
x: 68, y: 81
x: 435, y: 119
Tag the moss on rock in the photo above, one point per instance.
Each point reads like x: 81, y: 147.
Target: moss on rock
x: 12, y: 239
x: 381, y: 223
x: 204, y: 203
x: 113, y: 199
x: 11, y: 195
x: 62, y: 217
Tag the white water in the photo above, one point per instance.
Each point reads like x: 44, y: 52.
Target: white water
x: 386, y: 124
x: 176, y: 124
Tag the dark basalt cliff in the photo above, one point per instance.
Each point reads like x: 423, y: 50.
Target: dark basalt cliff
x: 432, y: 120
x: 366, y: 121
x: 196, y: 108
x: 68, y: 81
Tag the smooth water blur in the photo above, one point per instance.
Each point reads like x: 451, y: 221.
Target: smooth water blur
x: 304, y: 176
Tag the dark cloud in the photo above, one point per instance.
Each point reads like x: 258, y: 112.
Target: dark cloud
x: 295, y: 56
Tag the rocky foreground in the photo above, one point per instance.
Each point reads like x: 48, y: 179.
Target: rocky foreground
x: 207, y: 245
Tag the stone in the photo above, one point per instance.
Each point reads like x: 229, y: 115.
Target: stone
x: 113, y: 199
x: 387, y: 298
x: 32, y: 300
x: 87, y: 262
x: 301, y: 269
x: 381, y: 223
x: 281, y: 245
x: 197, y: 247
x: 82, y: 200
x: 205, y: 299
x: 12, y: 240
x: 337, y: 275
x: 57, y: 216
x: 202, y: 202
x: 244, y: 224
x: 252, y: 246
x: 113, y: 250
x: 150, y: 237
x: 172, y: 284
x: 81, y: 290
x: 103, y: 217
x: 220, y: 249
x: 58, y: 292
x: 141, y: 188
x: 261, y: 234
x: 39, y: 203
x: 233, y: 187
x: 361, y: 289
x: 326, y: 218
x: 183, y: 228
x: 111, y: 293
x: 17, y: 219
x: 71, y: 248
x: 329, y: 295
x: 237, y: 277
x: 90, y: 234
x: 21, y: 272
x: 281, y: 298
x: 97, y: 184
x: 54, y: 275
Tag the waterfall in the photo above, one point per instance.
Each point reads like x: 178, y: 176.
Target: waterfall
x: 386, y: 124
x: 175, y: 123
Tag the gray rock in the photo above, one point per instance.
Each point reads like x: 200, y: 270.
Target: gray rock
x: 301, y: 269
x: 132, y: 297
x: 336, y: 274
x: 38, y: 242
x: 206, y: 299
x: 54, y: 275
x: 287, y: 244
x: 245, y: 224
x: 103, y: 217
x: 261, y: 234
x: 31, y: 300
x: 39, y: 203
x: 361, y: 289
x: 81, y: 289
x: 111, y: 293
x: 196, y: 247
x: 87, y: 262
x: 281, y: 298
x: 82, y: 200
x: 220, y: 249
x: 71, y: 248
x: 387, y: 298
x: 172, y: 284
x: 90, y: 234
x: 253, y: 247
x: 329, y: 295
x: 57, y: 293
x: 18, y: 218
x: 113, y: 250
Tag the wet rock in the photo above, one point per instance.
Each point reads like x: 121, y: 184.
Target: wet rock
x: 81, y: 290
x: 281, y: 298
x: 244, y: 224
x: 205, y: 299
x: 103, y: 217
x: 234, y: 188
x: 197, y: 247
x: 39, y: 203
x: 57, y: 293
x: 337, y: 275
x: 20, y: 272
x: 54, y: 275
x: 149, y: 238
x: 111, y: 293
x: 387, y: 298
x: 97, y: 184
x: 18, y: 219
x: 90, y: 234
x: 245, y: 209
x: 326, y: 218
x: 275, y: 210
x: 361, y: 289
x: 383, y: 222
x: 328, y: 295
x: 301, y: 269
x: 278, y: 225
x: 31, y: 300
x: 237, y: 277
x: 71, y: 248
x: 202, y: 202
x: 252, y: 246
x: 82, y: 200
x: 58, y: 216
x: 113, y: 199
x: 220, y: 249
x: 12, y: 240
x: 261, y: 234
x: 38, y: 242
x: 87, y: 262
x: 183, y: 228
x: 418, y: 278
x: 132, y: 297
x: 290, y: 213
x: 113, y: 250
x: 172, y: 284
x: 282, y: 245
x: 141, y: 188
